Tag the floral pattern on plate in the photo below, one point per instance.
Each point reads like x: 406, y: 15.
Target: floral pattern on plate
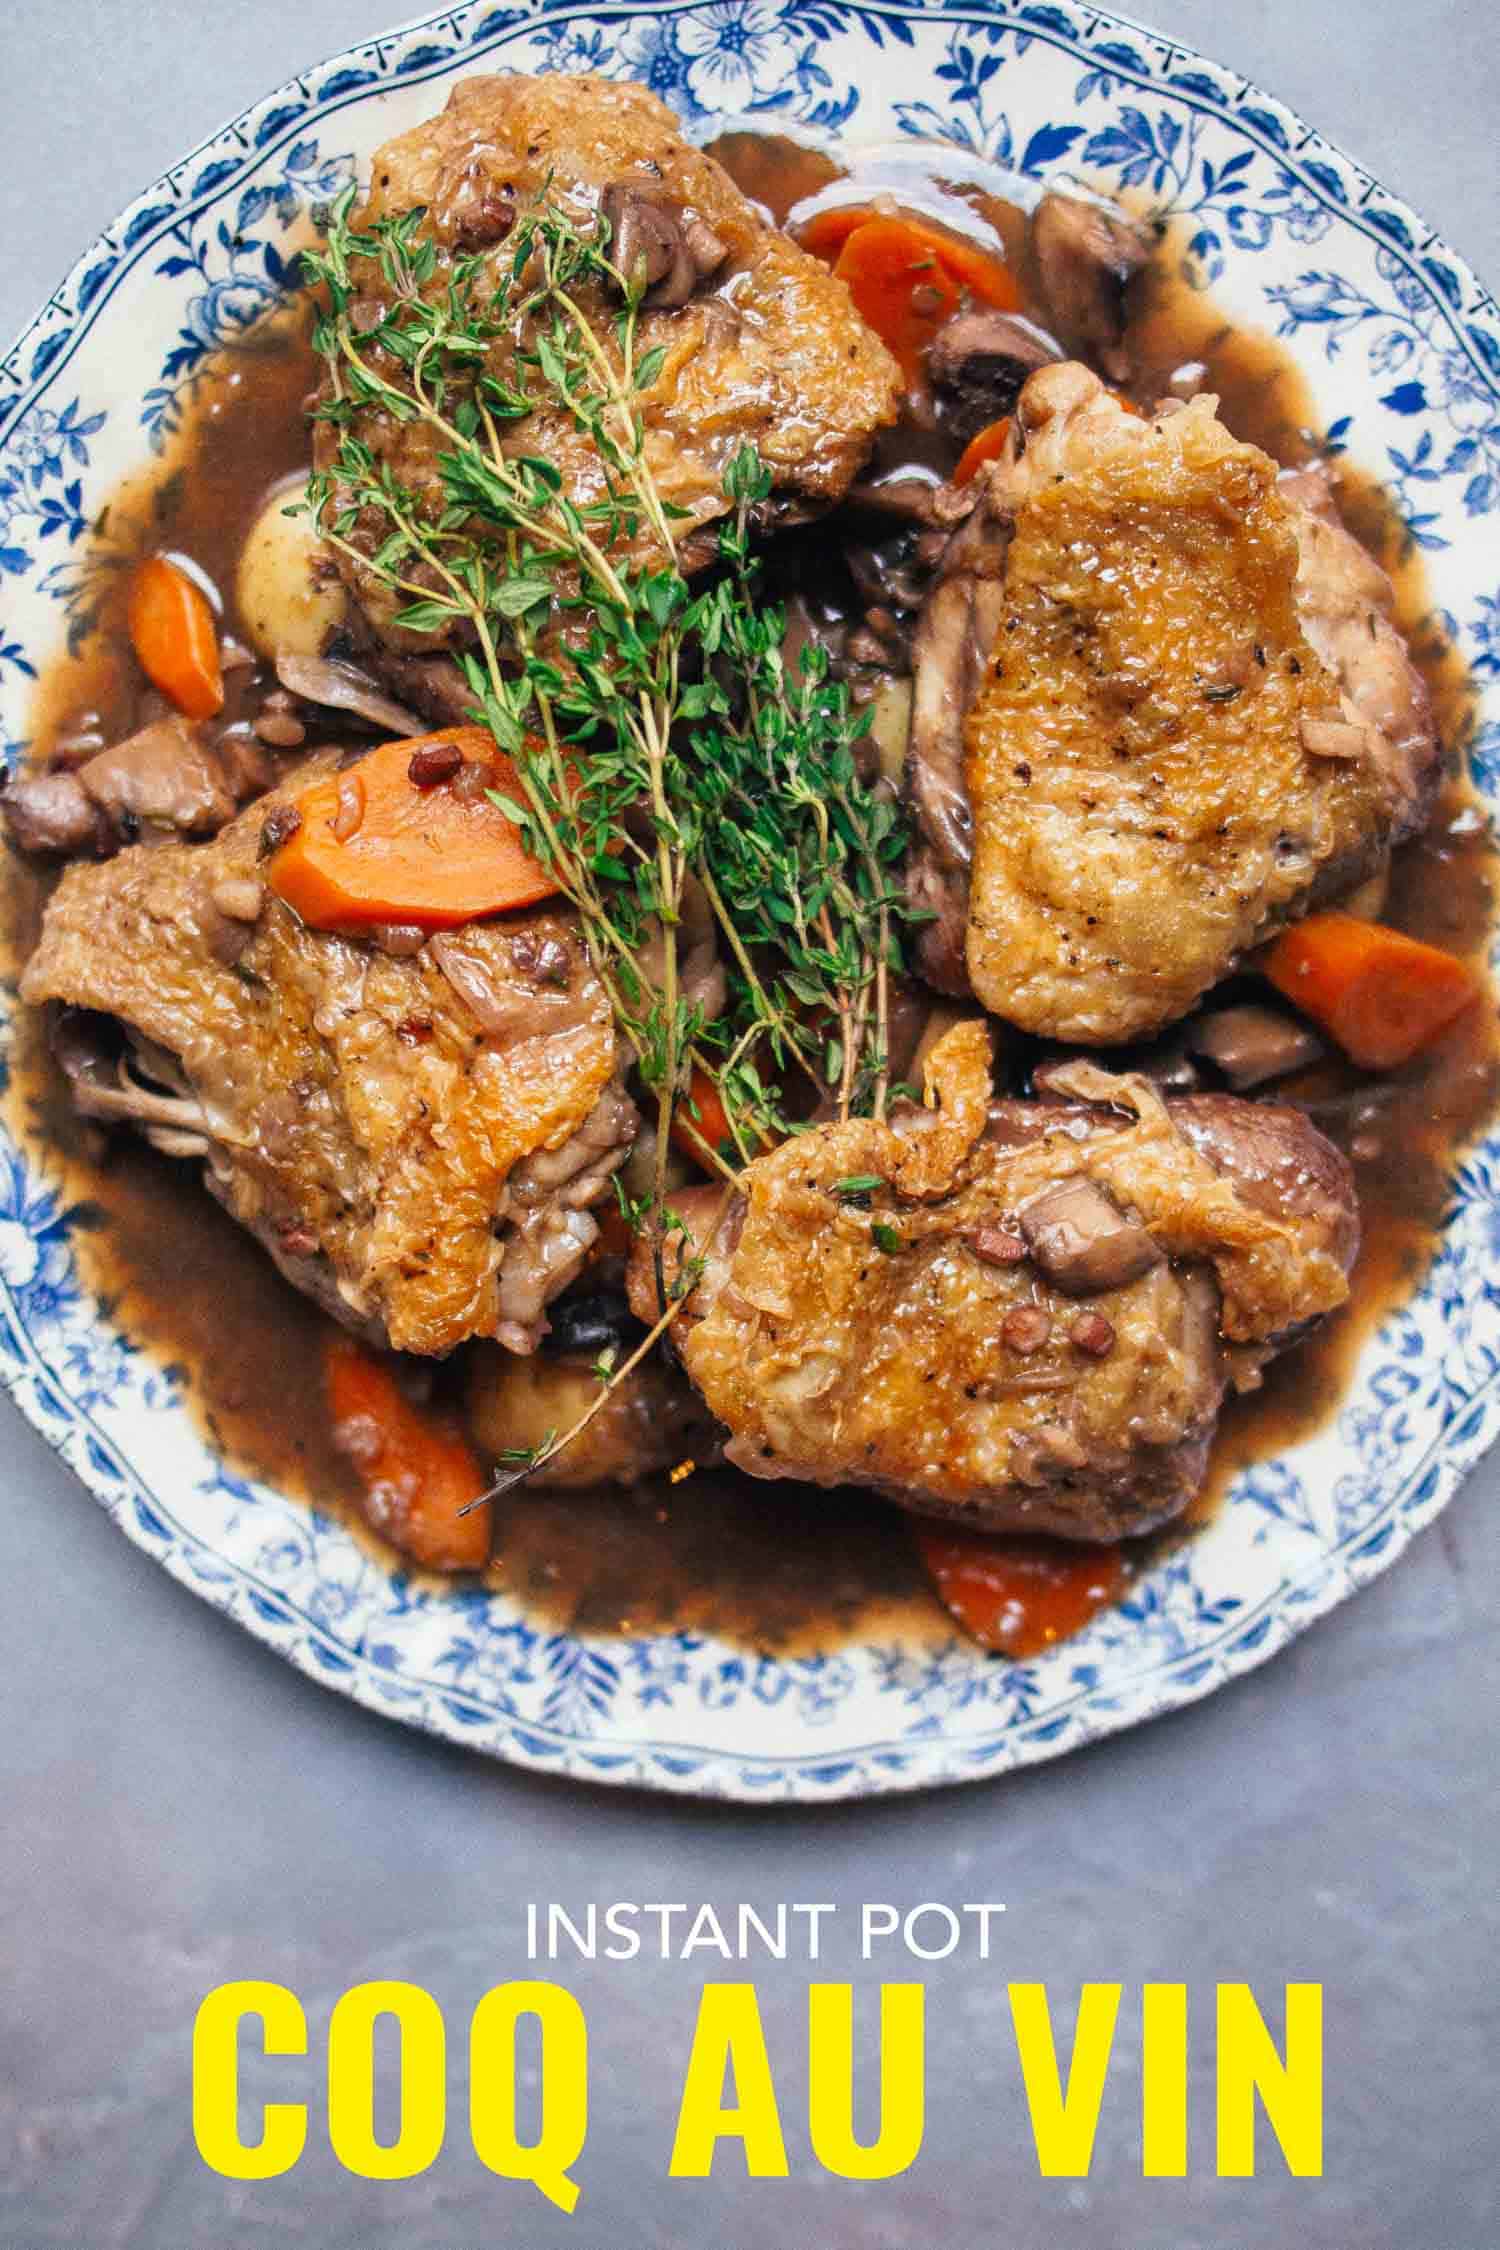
x: 1402, y: 349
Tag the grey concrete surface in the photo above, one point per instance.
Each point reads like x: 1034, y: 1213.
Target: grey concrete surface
x: 178, y: 1809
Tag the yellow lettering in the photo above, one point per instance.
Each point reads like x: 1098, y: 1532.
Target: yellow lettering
x: 216, y: 2083
x: 1292, y: 2091
x: 1164, y: 2082
x: 830, y: 2081
x: 728, y: 2033
x: 351, y: 2081
x: 1063, y: 2124
x: 565, y: 2087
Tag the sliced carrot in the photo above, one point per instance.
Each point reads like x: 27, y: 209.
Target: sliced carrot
x: 825, y: 234
x: 988, y: 446
x: 984, y: 276
x: 416, y: 1472
x: 374, y: 847
x: 900, y: 289
x: 1020, y: 1594
x: 1382, y: 995
x: 981, y: 272
x: 907, y: 276
x: 711, y: 1124
x: 173, y: 633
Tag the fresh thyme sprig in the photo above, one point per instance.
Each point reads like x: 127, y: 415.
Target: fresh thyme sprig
x: 504, y: 556
x: 800, y: 853
x: 656, y: 732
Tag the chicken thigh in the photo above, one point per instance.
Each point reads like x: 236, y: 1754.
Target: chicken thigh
x: 761, y: 344
x: 1031, y: 1322
x: 416, y: 1140
x: 1194, y: 718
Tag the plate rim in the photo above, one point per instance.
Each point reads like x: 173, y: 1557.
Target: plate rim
x: 713, y: 1771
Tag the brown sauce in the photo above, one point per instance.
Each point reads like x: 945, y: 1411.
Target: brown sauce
x: 771, y: 1566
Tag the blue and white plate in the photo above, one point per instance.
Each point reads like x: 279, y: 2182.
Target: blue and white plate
x: 1402, y: 350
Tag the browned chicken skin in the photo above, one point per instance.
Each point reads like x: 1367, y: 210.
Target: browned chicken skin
x: 763, y: 346
x: 1196, y: 719
x: 416, y: 1140
x: 1034, y: 1325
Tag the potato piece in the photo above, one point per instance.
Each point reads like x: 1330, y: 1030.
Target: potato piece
x: 288, y: 595
x: 890, y: 726
x: 652, y: 1420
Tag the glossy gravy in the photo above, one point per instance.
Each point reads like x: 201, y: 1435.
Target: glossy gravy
x: 774, y: 1567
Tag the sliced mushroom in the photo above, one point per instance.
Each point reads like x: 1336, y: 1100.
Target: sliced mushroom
x: 1087, y: 254
x: 473, y: 208
x: 704, y: 247
x: 885, y: 574
x: 343, y: 687
x: 1252, y: 1045
x: 432, y: 685
x: 953, y: 642
x: 653, y: 241
x: 906, y: 496
x: 805, y: 628
x: 955, y: 634
x: 1083, y: 1241
x: 166, y: 774
x: 1166, y: 1062
x: 701, y: 978
x: 977, y: 363
x: 49, y: 812
x: 504, y: 1012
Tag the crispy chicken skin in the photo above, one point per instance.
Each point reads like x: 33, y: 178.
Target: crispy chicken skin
x: 1070, y: 1291
x: 425, y: 1177
x: 765, y: 347
x: 1196, y: 719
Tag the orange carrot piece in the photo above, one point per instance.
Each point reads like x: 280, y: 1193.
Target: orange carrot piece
x: 173, y: 633
x: 1382, y: 995
x: 984, y: 274
x: 824, y: 235
x: 373, y: 847
x: 900, y: 288
x: 711, y: 1123
x: 907, y: 276
x: 987, y: 446
x: 416, y: 1472
x: 1020, y: 1594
